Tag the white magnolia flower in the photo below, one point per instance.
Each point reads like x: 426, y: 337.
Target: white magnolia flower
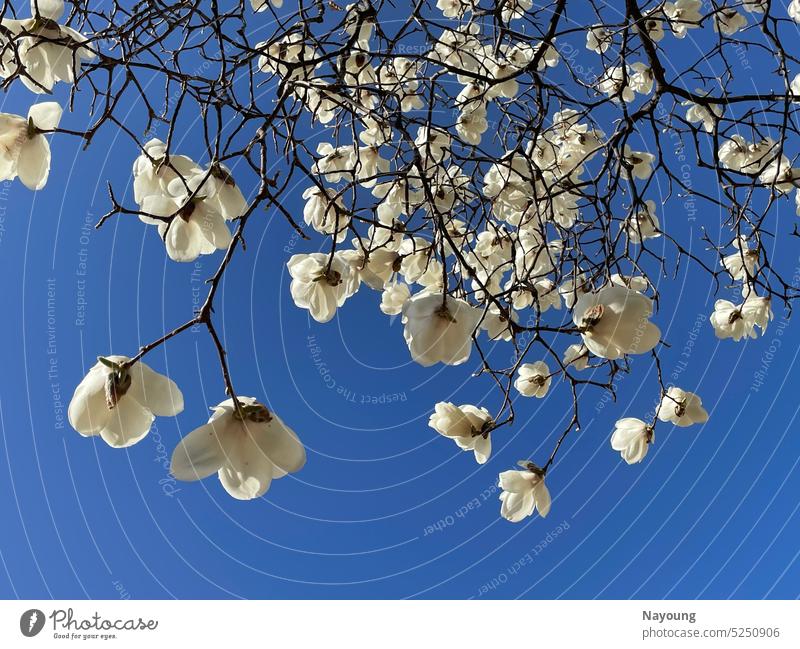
x: 320, y: 286
x: 793, y: 10
x: 756, y: 6
x: 290, y: 57
x: 24, y: 151
x: 263, y: 5
x: 734, y: 153
x: 533, y: 379
x: 654, y: 24
x: 742, y: 263
x: 780, y: 174
x: 40, y: 50
x: 681, y: 408
x: 739, y: 321
x: 439, y: 329
x: 633, y: 282
x: 728, y: 321
x: 247, y: 448
x: 631, y: 438
x: 119, y: 403
x: 394, y: 297
x: 576, y: 356
x: 375, y: 267
x: 153, y: 170
x: 642, y: 224
x: 515, y: 9
x: 187, y: 220
x: 572, y: 289
x: 497, y: 326
x: 523, y: 491
x: 707, y: 114
x: 757, y: 310
x: 335, y: 163
x: 468, y: 426
x: 729, y: 21
x: 683, y: 15
x: 615, y: 82
x: 598, y: 39
x: 454, y: 8
x: 615, y: 321
x: 225, y: 197
x: 641, y: 163
x: 325, y: 212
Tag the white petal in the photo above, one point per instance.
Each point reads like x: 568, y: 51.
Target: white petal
x: 516, y: 507
x: 184, y: 241
x: 156, y: 392
x: 542, y: 496
x: 282, y: 446
x: 52, y: 9
x: 33, y: 166
x: 198, y: 455
x: 128, y: 422
x: 247, y: 471
x: 46, y: 115
x: 483, y: 448
x: 88, y: 413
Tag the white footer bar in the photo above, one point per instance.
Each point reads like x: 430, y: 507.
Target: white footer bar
x: 401, y: 624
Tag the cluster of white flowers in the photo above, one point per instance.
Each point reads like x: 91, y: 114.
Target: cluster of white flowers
x: 246, y: 444
x: 189, y: 205
x: 450, y: 281
x: 632, y: 437
x: 41, y: 51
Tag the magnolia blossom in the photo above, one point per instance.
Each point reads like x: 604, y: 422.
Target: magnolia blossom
x: 642, y: 224
x: 321, y: 283
x: 523, y: 491
x: 631, y: 438
x: 728, y: 21
x: 633, y: 282
x: 439, y: 328
x: 454, y: 8
x: 683, y: 15
x: 394, y: 297
x: 119, y: 402
x: 225, y: 197
x: 187, y: 221
x: 614, y: 82
x: 641, y: 163
x: 793, y: 9
x: 47, y: 52
x: 263, y: 5
x: 739, y: 321
x: 615, y: 321
x: 705, y: 114
x: 598, y: 39
x: 24, y: 151
x: 324, y: 213
x: 468, y: 426
x: 681, y: 408
x: 153, y: 170
x: 247, y: 447
x: 497, y: 325
x: 533, y: 379
x: 576, y: 356
x: 741, y: 264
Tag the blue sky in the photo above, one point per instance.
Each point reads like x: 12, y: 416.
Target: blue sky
x: 385, y: 508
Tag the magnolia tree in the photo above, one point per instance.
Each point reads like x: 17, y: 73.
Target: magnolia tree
x: 497, y: 173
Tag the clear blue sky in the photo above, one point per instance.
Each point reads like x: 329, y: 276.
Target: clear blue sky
x: 385, y: 508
